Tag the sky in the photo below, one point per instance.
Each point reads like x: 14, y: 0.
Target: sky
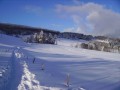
x: 96, y: 17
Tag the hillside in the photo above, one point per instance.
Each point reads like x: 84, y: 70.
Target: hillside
x: 17, y: 30
x: 14, y: 29
x: 50, y: 67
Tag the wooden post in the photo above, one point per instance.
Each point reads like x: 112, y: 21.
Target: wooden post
x: 43, y: 67
x: 33, y: 60
x: 68, y: 80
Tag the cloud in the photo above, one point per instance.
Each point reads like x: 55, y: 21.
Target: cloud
x: 92, y: 18
x: 73, y: 29
x: 33, y: 9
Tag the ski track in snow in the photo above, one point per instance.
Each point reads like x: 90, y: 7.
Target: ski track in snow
x: 28, y: 81
x: 88, y: 69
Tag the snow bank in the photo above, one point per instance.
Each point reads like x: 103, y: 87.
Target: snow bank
x: 28, y: 81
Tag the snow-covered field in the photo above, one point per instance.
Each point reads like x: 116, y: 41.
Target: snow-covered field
x: 49, y: 67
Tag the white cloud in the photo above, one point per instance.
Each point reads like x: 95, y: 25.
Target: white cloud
x: 73, y: 29
x: 92, y: 18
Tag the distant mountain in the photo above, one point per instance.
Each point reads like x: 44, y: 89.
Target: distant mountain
x: 12, y: 29
x: 16, y: 30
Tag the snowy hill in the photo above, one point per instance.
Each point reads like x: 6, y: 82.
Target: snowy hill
x: 58, y: 67
x: 11, y: 41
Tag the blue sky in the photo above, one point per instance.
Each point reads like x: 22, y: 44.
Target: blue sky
x: 43, y: 13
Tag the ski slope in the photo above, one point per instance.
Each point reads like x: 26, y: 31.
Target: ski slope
x: 46, y: 67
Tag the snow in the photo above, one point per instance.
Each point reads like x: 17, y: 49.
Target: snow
x: 87, y: 69
x: 28, y: 81
x: 10, y: 41
x: 5, y: 68
x: 69, y: 42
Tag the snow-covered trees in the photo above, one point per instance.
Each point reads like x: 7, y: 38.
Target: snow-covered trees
x: 116, y: 48
x: 42, y: 37
x: 99, y: 45
x: 84, y: 45
x: 91, y: 46
x: 51, y: 39
x: 119, y: 49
